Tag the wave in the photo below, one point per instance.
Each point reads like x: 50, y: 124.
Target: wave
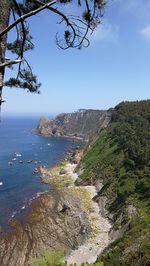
x: 38, y: 194
x: 28, y: 203
x: 13, y: 214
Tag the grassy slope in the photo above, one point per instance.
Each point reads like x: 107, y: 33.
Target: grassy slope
x: 121, y: 157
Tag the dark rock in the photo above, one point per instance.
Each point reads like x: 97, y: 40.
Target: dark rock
x: 64, y: 208
x: 78, y: 182
x: 62, y: 172
x: 102, y: 201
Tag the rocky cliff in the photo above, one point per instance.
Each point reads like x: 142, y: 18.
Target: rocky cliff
x: 118, y: 164
x: 81, y: 124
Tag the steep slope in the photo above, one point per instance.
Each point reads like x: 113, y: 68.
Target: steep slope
x: 120, y: 162
x: 81, y: 124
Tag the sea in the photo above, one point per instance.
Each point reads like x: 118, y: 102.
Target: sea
x: 22, y: 151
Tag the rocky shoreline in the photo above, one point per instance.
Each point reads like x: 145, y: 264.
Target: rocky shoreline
x: 49, y: 226
x: 65, y: 218
x: 98, y: 239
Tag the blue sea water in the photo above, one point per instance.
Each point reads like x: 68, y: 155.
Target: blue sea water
x: 18, y: 184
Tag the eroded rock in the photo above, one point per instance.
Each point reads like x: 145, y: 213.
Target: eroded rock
x: 46, y: 228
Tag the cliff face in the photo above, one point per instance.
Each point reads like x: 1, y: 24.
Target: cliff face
x: 118, y: 163
x: 81, y: 124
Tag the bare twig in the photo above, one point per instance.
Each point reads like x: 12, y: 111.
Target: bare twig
x: 56, y: 11
x: 23, y: 17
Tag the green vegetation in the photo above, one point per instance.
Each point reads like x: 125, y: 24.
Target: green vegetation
x: 86, y: 15
x: 55, y: 259
x: 50, y: 259
x: 83, y: 123
x: 121, y: 158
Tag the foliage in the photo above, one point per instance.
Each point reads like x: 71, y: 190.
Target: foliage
x: 121, y: 158
x: 55, y: 259
x: 85, y: 17
x: 50, y: 259
x: 82, y: 123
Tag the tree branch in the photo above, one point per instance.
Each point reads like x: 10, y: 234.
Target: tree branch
x: 23, y: 28
x: 56, y: 11
x: 23, y: 36
x: 23, y: 17
x: 10, y: 62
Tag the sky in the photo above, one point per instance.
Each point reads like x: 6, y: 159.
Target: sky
x: 114, y: 68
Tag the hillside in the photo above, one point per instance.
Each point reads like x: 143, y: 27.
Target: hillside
x: 120, y: 162
x: 116, y: 164
x: 81, y: 124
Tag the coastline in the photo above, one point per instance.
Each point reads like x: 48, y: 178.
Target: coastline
x: 98, y: 239
x: 19, y: 174
x: 56, y: 222
x: 70, y: 137
x: 65, y: 218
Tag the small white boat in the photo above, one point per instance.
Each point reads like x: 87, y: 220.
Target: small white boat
x: 17, y: 154
x: 14, y: 159
x: 1, y: 183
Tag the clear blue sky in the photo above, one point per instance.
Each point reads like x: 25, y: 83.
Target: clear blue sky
x: 114, y: 68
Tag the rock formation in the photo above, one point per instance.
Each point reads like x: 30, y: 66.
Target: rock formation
x: 80, y: 125
x: 51, y: 225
